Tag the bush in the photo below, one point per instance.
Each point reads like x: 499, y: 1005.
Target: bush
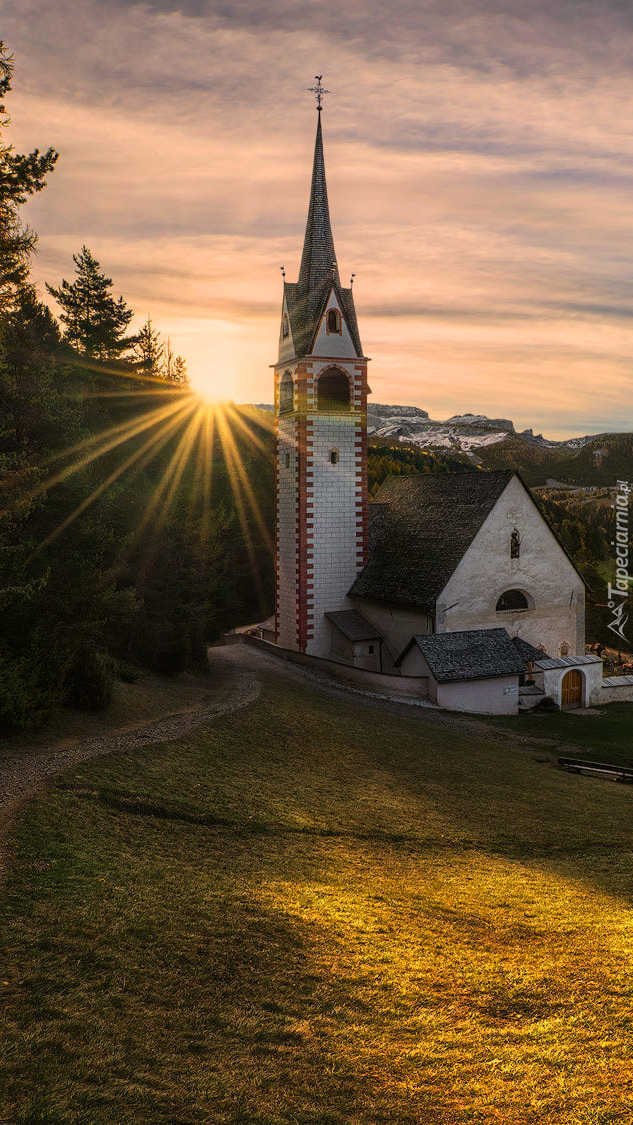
x: 25, y: 696
x: 90, y: 679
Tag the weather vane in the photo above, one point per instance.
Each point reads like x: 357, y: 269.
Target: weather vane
x: 318, y: 91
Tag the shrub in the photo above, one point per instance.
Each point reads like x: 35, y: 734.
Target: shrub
x: 90, y: 679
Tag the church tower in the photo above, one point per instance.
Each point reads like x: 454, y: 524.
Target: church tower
x: 321, y: 430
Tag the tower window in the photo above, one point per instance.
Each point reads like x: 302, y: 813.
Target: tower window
x: 515, y: 544
x: 286, y: 393
x: 287, y: 460
x: 512, y: 600
x: 285, y: 327
x: 334, y: 457
x: 333, y: 390
x: 334, y: 321
x: 564, y: 649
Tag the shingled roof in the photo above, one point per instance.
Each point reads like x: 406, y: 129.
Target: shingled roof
x: 420, y: 529
x: 318, y: 274
x: 471, y: 654
x: 354, y: 626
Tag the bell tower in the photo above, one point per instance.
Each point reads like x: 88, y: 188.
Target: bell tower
x: 321, y: 436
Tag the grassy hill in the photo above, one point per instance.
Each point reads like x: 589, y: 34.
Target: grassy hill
x: 322, y: 912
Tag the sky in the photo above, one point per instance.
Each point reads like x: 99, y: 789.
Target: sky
x: 479, y: 156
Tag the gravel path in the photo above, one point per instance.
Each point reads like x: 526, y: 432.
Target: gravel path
x: 21, y: 776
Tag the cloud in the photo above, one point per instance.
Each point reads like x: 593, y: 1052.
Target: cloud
x: 480, y: 167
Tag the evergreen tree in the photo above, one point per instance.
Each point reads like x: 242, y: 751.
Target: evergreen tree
x: 95, y: 322
x: 149, y: 352
x: 20, y: 176
x: 179, y: 374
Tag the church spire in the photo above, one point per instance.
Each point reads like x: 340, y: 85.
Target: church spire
x: 318, y: 261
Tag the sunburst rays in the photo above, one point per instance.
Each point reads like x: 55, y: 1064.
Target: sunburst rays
x: 192, y: 441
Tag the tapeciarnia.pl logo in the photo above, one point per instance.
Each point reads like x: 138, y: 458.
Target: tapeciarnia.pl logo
x: 618, y: 592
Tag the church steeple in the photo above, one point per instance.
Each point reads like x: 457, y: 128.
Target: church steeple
x: 321, y: 425
x: 318, y: 261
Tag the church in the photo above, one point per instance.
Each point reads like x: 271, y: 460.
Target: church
x: 454, y: 585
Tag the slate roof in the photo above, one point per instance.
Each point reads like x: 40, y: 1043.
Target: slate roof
x: 318, y: 261
x: 420, y: 529
x: 306, y: 307
x: 528, y: 651
x: 471, y: 654
x: 545, y: 663
x: 318, y: 273
x: 354, y: 626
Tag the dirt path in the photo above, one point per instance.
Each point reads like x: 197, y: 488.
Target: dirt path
x: 25, y: 771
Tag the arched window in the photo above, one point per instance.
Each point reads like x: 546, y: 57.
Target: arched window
x: 285, y: 327
x: 334, y: 456
x: 286, y: 393
x: 333, y: 390
x: 512, y: 600
x: 515, y: 544
x: 334, y: 321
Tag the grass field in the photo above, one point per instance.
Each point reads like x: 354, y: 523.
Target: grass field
x: 318, y: 911
x: 606, y: 735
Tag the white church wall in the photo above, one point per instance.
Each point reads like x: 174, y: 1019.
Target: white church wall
x: 615, y: 689
x: 286, y: 535
x: 498, y: 696
x: 333, y: 344
x: 543, y: 571
x: 332, y: 507
x: 591, y: 682
x: 396, y: 625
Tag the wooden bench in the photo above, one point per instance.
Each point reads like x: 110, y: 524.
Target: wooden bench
x: 598, y: 769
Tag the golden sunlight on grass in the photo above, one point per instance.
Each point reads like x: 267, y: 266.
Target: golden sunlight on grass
x: 322, y: 913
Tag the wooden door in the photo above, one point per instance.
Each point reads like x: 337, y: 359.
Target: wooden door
x: 571, y: 694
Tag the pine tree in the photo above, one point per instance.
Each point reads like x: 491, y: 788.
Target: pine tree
x: 180, y: 371
x: 95, y: 322
x: 20, y: 176
x: 149, y: 352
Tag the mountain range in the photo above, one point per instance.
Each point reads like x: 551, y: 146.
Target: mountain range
x: 494, y: 443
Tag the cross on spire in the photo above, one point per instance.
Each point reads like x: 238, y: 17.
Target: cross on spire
x: 318, y: 90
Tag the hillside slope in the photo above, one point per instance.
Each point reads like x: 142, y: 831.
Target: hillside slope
x: 316, y: 911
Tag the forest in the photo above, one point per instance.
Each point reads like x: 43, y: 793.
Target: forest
x: 135, y: 522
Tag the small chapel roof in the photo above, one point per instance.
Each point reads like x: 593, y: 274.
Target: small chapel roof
x: 471, y: 654
x: 354, y: 626
x: 420, y: 529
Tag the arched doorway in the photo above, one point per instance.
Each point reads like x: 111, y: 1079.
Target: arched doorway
x: 571, y: 690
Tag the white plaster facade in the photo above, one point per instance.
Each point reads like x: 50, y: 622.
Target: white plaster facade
x: 554, y: 589
x: 490, y: 696
x: 286, y: 546
x: 336, y: 554
x: 397, y: 626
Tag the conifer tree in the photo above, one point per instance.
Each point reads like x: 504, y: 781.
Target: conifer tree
x: 20, y: 176
x: 179, y: 374
x: 95, y: 322
x: 149, y: 352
